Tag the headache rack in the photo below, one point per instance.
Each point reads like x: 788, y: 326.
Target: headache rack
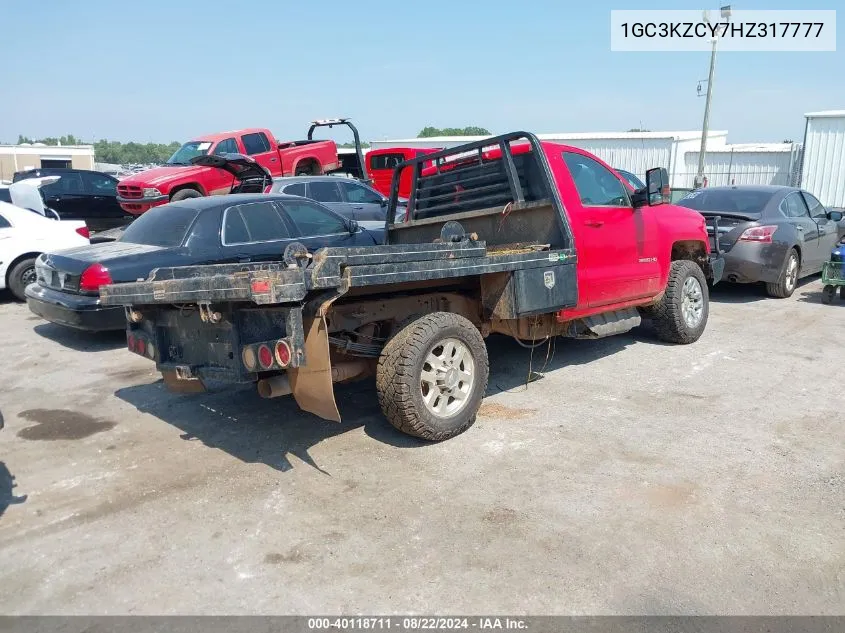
x: 487, y: 186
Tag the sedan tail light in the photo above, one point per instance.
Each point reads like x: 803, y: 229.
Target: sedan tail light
x: 84, y: 232
x: 761, y: 234
x: 93, y: 277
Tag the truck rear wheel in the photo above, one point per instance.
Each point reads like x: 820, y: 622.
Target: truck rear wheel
x: 681, y: 315
x: 432, y: 375
x: 185, y: 193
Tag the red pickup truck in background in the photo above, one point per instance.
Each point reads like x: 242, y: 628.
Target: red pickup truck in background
x: 179, y: 179
x: 382, y: 162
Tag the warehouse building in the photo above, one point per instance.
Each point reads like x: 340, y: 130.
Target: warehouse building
x: 725, y: 164
x: 14, y: 158
x: 823, y: 165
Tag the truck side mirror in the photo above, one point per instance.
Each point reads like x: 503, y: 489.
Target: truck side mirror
x: 657, y: 186
x: 656, y: 190
x: 836, y: 216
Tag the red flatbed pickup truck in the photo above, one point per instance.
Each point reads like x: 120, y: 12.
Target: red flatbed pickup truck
x: 532, y: 240
x: 179, y: 179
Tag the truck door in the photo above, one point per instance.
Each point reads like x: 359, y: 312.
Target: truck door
x: 257, y: 145
x: 617, y: 244
x: 220, y: 181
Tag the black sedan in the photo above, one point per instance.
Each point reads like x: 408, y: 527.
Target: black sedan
x: 771, y: 234
x: 213, y: 230
x: 80, y: 194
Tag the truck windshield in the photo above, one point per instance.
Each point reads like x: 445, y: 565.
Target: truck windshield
x: 726, y: 200
x: 161, y: 226
x: 189, y: 150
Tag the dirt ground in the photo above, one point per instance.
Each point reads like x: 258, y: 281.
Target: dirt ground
x: 633, y: 478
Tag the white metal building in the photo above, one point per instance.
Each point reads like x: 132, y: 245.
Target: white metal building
x: 823, y: 166
x: 744, y: 164
x: 633, y: 151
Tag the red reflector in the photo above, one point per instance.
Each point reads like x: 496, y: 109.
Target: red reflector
x: 141, y: 347
x: 265, y: 357
x: 84, y: 232
x: 283, y: 353
x: 761, y: 234
x: 95, y: 275
x: 260, y: 286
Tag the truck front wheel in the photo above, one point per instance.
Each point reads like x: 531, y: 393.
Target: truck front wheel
x: 432, y: 375
x: 681, y: 314
x: 185, y: 193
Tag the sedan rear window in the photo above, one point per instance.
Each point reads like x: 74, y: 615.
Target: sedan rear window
x: 727, y: 200
x: 166, y: 225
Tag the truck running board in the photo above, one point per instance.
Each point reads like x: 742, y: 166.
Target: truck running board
x: 607, y: 324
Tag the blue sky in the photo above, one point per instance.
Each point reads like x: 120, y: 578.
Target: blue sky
x: 161, y: 71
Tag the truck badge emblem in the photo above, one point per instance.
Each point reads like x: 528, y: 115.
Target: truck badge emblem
x: 549, y: 279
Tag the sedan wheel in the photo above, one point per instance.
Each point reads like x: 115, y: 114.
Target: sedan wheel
x: 785, y: 286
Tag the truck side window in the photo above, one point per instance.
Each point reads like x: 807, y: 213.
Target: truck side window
x: 255, y: 143
x: 324, y: 191
x: 312, y: 220
x: 596, y: 185
x: 263, y: 222
x: 4, y: 223
x: 386, y: 161
x: 226, y: 146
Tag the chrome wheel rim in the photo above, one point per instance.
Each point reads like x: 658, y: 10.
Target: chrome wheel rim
x: 29, y: 276
x: 791, y: 272
x: 447, y: 378
x: 692, y: 304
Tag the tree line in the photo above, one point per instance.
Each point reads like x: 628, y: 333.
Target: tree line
x: 472, y: 130
x: 106, y: 151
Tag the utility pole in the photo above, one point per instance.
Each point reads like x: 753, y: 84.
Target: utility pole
x: 705, y: 126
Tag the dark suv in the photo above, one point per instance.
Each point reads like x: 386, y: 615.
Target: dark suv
x: 81, y: 195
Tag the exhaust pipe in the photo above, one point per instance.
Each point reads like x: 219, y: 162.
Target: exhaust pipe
x: 274, y: 387
x: 351, y: 369
x: 280, y: 385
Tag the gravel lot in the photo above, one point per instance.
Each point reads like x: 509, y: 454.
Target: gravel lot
x: 633, y: 478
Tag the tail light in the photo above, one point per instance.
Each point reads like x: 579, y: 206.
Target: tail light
x: 140, y: 346
x: 265, y: 357
x: 130, y: 342
x: 249, y: 359
x: 84, y: 232
x: 93, y: 277
x: 283, y: 353
x: 760, y: 234
x: 268, y: 188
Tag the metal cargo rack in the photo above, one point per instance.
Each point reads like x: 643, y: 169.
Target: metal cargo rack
x: 482, y: 208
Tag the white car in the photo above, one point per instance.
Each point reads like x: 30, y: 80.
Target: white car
x: 28, y: 229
